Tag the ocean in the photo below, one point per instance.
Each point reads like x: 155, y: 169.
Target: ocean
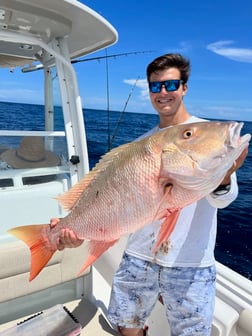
x: 107, y: 130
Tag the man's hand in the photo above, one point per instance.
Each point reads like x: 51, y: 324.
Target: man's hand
x: 67, y: 237
x: 236, y: 165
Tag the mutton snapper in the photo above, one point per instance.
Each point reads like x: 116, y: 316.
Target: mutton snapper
x: 137, y: 183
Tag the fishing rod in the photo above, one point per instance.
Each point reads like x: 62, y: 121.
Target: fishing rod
x: 110, y: 56
x: 121, y: 115
x: 108, y: 109
x: 110, y: 139
x: 51, y: 63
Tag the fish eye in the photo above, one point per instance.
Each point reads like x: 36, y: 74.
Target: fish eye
x: 188, y: 133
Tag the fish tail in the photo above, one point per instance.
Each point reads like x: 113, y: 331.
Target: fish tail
x: 96, y: 249
x: 38, y: 245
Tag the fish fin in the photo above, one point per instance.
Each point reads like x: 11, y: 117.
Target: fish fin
x: 162, y: 211
x: 40, y: 253
x: 96, y: 249
x: 70, y: 197
x: 162, y: 207
x: 166, y: 229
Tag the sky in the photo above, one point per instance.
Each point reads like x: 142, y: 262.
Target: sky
x: 216, y: 35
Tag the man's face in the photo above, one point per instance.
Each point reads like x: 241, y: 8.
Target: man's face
x: 167, y: 103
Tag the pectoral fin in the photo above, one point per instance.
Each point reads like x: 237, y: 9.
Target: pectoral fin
x: 96, y: 249
x: 166, y: 229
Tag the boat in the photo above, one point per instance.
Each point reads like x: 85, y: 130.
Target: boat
x: 40, y: 39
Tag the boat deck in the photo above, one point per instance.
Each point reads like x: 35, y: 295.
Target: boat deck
x: 91, y: 319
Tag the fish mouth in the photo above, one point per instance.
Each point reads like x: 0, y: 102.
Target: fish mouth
x: 232, y: 148
x: 236, y: 139
x: 235, y: 143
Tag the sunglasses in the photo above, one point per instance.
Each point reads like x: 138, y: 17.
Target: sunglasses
x: 170, y: 85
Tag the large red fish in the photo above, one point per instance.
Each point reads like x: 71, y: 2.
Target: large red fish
x: 137, y: 183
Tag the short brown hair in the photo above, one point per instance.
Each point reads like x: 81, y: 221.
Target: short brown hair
x: 170, y: 61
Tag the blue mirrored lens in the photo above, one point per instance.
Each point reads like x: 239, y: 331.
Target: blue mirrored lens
x: 170, y: 85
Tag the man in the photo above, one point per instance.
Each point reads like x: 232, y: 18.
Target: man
x: 182, y: 272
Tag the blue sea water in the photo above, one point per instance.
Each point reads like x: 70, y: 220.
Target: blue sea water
x: 234, y: 236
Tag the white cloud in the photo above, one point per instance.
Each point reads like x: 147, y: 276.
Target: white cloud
x: 236, y: 54
x: 141, y: 84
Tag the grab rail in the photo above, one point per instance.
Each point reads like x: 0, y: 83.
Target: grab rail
x: 32, y: 133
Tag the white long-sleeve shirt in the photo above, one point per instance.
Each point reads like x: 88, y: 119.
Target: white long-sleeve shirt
x: 192, y: 241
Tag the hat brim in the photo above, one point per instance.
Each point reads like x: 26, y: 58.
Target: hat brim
x: 14, y: 161
x: 3, y: 149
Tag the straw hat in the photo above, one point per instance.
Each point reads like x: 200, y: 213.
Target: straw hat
x: 30, y: 154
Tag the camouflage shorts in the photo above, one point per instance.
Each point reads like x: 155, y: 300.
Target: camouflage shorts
x: 187, y: 292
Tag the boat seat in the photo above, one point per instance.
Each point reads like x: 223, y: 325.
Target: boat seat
x: 28, y: 197
x: 15, y: 268
x: 26, y: 204
x: 57, y: 283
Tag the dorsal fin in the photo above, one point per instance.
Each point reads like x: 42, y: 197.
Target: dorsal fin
x: 70, y: 197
